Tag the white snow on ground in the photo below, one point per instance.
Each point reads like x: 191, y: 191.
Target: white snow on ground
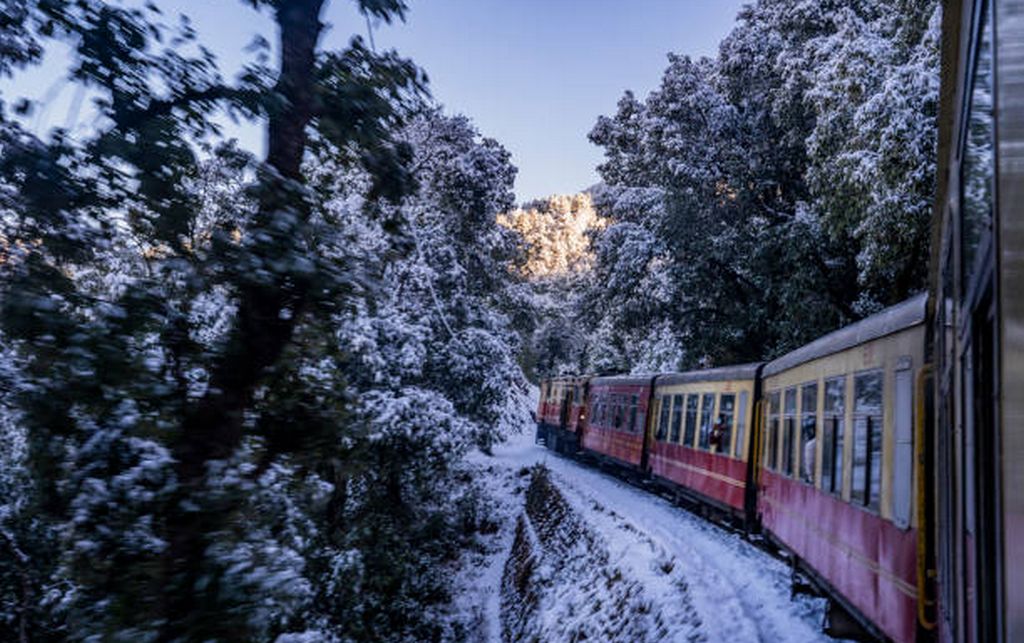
x: 739, y: 592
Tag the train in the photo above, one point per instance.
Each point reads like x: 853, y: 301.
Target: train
x: 816, y: 452
x: 884, y: 460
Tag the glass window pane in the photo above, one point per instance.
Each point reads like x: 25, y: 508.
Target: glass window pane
x: 691, y: 419
x: 772, y: 435
x: 707, y: 407
x: 978, y: 167
x: 677, y: 415
x: 788, y: 432
x: 832, y: 452
x: 808, y: 431
x: 867, y: 439
x: 721, y: 433
x: 666, y: 408
x: 741, y: 425
x: 633, y: 414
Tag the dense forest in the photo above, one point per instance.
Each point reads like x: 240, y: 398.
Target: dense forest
x: 763, y: 198
x: 236, y: 393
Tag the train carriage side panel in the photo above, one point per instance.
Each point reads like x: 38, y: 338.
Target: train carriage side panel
x: 687, y: 408
x: 616, y: 418
x: 837, y: 469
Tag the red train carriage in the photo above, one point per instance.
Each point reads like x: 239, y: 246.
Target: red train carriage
x: 838, y: 464
x: 617, y: 418
x: 700, y: 435
x: 561, y: 412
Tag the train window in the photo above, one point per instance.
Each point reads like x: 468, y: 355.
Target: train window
x: 691, y: 419
x: 788, y: 431
x: 741, y: 424
x: 771, y: 448
x: 677, y: 417
x: 903, y: 458
x: 808, y: 447
x: 832, y: 427
x: 867, y: 439
x: 632, y: 414
x: 617, y: 411
x: 726, y: 415
x: 978, y: 164
x: 707, y: 406
x: 665, y: 407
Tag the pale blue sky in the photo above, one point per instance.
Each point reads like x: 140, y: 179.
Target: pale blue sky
x: 534, y: 74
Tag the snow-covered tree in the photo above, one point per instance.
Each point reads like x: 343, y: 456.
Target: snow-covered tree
x: 787, y: 182
x: 557, y: 234
x: 556, y: 239
x: 236, y: 392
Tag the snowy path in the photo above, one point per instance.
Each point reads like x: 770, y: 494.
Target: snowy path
x: 738, y: 592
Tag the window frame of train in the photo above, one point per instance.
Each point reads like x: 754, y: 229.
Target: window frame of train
x: 868, y: 440
x: 690, y: 428
x: 677, y: 417
x: 726, y: 439
x: 975, y: 246
x: 772, y: 434
x: 808, y: 473
x: 833, y: 417
x: 634, y: 411
x: 741, y: 425
x: 664, y: 417
x: 788, y: 431
x: 707, y: 413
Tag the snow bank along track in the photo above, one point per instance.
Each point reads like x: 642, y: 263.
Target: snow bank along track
x: 562, y: 581
x: 589, y: 560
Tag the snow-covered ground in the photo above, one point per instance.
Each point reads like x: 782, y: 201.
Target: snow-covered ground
x: 695, y: 580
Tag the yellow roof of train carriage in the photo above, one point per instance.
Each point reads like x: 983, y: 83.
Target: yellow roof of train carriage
x: 717, y: 374
x: 903, y: 315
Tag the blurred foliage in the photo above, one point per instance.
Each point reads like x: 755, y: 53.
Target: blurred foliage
x: 201, y: 415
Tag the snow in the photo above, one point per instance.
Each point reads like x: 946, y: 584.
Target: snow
x: 700, y: 581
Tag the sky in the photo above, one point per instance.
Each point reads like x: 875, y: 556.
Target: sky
x: 533, y: 74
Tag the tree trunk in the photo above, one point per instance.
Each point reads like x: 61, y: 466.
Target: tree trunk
x: 212, y: 429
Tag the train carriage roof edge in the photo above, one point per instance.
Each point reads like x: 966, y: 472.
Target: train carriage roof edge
x: 891, y: 320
